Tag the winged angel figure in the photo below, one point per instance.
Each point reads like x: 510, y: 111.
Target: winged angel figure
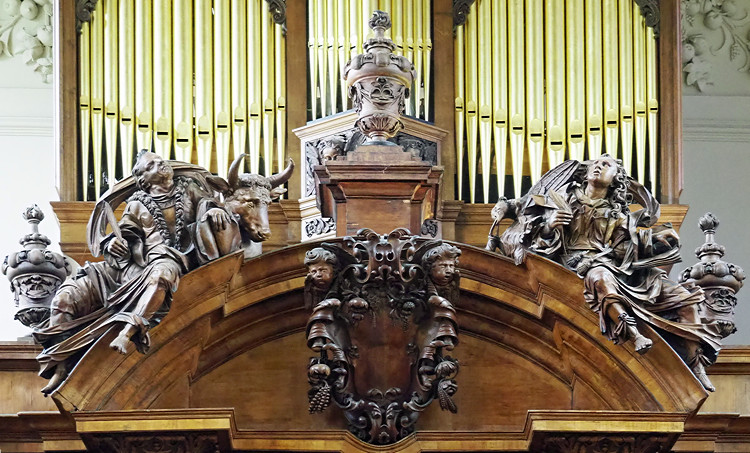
x: 578, y: 215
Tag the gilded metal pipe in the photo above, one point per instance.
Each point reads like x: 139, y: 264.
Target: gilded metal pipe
x: 279, y: 63
x: 84, y: 102
x: 427, y: 14
x: 516, y: 89
x: 535, y: 86
x: 144, y: 74
x: 500, y: 88
x: 127, y: 62
x: 111, y: 93
x: 484, y: 35
x: 97, y: 95
x: 409, y: 44
x: 222, y: 85
x: 575, y: 80
x: 163, y: 76
x: 459, y: 102
x: 472, y: 98
x: 652, y: 94
x: 312, y: 49
x: 267, y: 86
x: 342, y: 32
x: 417, y: 90
x: 254, y: 81
x: 321, y: 45
x: 611, y: 76
x: 355, y: 29
x: 204, y: 96
x: 554, y: 45
x: 239, y: 73
x: 332, y: 49
x: 397, y: 30
x: 625, y: 28
x: 639, y: 90
x: 594, y: 84
x: 182, y: 70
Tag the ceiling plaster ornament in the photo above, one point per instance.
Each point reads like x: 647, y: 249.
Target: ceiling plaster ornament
x: 719, y: 28
x: 26, y: 32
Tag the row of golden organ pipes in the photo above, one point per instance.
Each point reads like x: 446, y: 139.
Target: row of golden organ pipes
x: 536, y: 82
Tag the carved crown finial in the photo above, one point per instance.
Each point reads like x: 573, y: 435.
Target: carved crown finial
x: 33, y: 214
x: 380, y: 22
x: 708, y: 223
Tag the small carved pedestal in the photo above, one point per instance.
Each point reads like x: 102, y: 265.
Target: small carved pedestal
x: 378, y: 186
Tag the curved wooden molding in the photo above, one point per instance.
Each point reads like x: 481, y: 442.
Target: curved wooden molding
x: 532, y: 317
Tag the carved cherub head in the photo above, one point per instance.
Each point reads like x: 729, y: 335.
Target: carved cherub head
x: 440, y: 263
x: 606, y: 171
x: 321, y: 266
x: 150, y: 169
x: 329, y: 148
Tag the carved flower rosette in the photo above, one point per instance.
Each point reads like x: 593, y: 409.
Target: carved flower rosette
x: 380, y: 330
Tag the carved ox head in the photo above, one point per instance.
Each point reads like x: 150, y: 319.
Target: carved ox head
x: 248, y: 196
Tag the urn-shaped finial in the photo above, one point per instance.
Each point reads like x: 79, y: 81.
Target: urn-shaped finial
x: 720, y: 280
x: 35, y: 273
x: 379, y: 82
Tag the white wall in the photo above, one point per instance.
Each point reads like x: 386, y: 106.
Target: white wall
x: 716, y: 165
x: 27, y: 169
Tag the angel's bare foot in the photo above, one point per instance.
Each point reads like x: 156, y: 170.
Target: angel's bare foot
x: 642, y: 344
x: 61, y: 372
x: 120, y: 344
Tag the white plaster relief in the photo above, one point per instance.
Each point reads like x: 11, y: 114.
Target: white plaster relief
x: 26, y: 33
x: 716, y: 46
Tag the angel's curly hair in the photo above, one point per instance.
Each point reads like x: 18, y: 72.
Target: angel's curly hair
x: 618, y: 191
x: 320, y: 255
x: 445, y: 251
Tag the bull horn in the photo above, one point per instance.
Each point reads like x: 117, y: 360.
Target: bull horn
x: 280, y: 178
x: 234, y: 171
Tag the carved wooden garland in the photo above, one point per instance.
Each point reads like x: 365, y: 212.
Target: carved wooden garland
x: 380, y: 323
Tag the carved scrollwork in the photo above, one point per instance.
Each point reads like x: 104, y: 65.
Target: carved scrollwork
x: 461, y: 11
x: 161, y: 443
x: 575, y: 443
x: 318, y: 226
x: 387, y: 301
x: 650, y: 12
x: 84, y: 8
x: 277, y: 8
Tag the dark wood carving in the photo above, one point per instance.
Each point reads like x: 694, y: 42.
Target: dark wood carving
x: 84, y: 8
x: 461, y: 11
x: 650, y: 12
x: 277, y: 8
x: 160, y: 443
x: 383, y: 315
x: 578, y: 215
x: 575, y: 443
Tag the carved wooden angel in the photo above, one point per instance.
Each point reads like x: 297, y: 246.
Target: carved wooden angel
x: 578, y: 215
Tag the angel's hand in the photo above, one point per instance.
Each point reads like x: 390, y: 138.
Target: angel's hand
x: 118, y: 248
x: 559, y: 218
x: 664, y: 236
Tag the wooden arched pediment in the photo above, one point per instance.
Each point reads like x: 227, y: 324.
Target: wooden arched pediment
x: 231, y: 358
